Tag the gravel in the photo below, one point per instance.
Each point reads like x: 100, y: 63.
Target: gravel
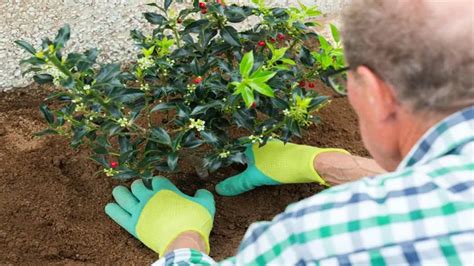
x: 104, y: 24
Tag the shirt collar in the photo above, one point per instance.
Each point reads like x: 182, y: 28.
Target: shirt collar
x: 449, y: 134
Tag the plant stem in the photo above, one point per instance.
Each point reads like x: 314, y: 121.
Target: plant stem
x: 176, y: 35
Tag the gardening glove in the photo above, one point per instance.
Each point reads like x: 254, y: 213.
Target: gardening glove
x: 275, y: 163
x: 156, y: 217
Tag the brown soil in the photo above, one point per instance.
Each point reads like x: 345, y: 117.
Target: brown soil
x: 52, y: 201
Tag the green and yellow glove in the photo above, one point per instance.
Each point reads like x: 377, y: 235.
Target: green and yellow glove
x: 275, y: 163
x: 156, y: 217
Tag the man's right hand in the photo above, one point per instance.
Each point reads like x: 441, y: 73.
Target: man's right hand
x: 274, y: 164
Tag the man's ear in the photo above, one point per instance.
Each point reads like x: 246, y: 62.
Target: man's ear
x: 380, y: 96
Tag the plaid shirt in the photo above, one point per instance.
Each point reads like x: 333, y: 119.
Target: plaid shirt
x: 421, y: 214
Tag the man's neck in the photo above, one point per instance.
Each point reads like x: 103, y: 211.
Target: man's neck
x: 413, y: 129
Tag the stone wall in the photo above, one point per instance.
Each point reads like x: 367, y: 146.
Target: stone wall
x: 104, y: 24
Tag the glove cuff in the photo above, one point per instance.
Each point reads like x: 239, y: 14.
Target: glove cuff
x: 312, y: 169
x: 160, y: 223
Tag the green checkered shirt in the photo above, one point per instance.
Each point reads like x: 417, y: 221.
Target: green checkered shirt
x: 421, y: 214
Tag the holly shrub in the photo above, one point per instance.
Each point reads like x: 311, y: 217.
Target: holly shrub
x: 200, y: 91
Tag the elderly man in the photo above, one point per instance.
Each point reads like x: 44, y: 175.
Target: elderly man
x: 410, y: 81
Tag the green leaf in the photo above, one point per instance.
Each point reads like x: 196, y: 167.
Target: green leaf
x: 281, y: 67
x: 163, y: 106
x: 101, y: 150
x: 161, y: 136
x: 278, y: 54
x: 43, y: 78
x: 28, y: 47
x: 196, y: 26
x: 35, y: 61
x: 177, y: 140
x: 108, y: 73
x: 213, y: 163
x: 288, y: 61
x: 195, y: 67
x: 235, y: 14
x: 45, y: 132
x: 238, y: 158
x: 279, y: 12
x: 262, y: 76
x: 247, y: 95
x: 79, y: 133
x: 155, y: 18
x: 243, y: 119
x: 246, y: 65
x: 335, y: 33
x: 47, y: 114
x: 68, y: 83
x: 209, y: 137
x: 305, y: 56
x: 231, y: 36
x: 149, y: 51
x: 191, y: 142
x: 126, y: 174
x: 325, y: 45
x: 203, y: 108
x: 279, y: 103
x: 172, y: 161
x: 205, y: 36
x: 130, y: 96
x: 124, y: 143
x: 313, y: 12
x: 262, y: 88
x: 62, y: 37
x: 100, y: 160
x: 167, y: 4
x: 318, y: 101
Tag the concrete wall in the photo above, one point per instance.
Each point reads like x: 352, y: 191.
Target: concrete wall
x: 104, y: 24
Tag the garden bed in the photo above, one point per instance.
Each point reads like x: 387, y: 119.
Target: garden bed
x: 52, y: 200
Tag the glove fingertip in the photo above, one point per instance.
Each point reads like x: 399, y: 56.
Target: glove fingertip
x: 204, y: 194
x: 206, y: 198
x: 108, y: 208
x: 223, y: 189
x: 160, y: 182
x: 113, y: 210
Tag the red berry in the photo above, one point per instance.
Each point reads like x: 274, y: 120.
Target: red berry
x: 272, y: 40
x: 280, y: 36
x: 179, y: 20
x: 204, y: 11
x: 202, y: 5
x: 219, y: 2
x: 312, y: 85
x: 114, y: 164
x: 254, y: 105
x: 261, y: 43
x: 197, y: 80
x: 302, y: 83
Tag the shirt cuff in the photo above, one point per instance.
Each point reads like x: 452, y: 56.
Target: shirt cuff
x: 184, y: 256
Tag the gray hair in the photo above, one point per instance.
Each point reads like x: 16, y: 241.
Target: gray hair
x: 424, y: 51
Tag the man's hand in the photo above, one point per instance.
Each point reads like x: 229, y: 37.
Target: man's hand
x: 274, y: 164
x: 157, y: 217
